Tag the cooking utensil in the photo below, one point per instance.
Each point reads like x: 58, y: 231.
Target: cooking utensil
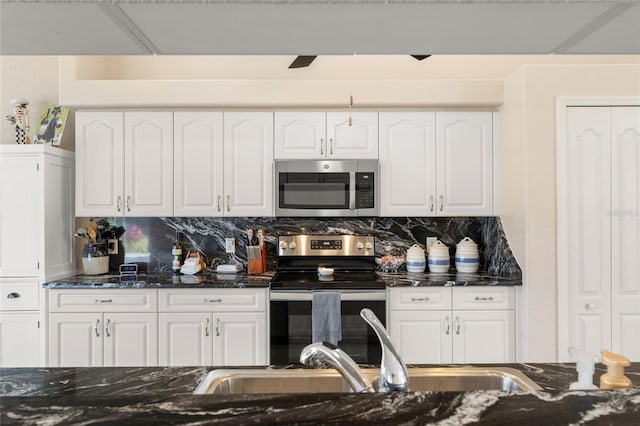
x: 92, y: 234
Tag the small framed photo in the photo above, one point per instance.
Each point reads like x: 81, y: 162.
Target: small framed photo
x: 51, y: 124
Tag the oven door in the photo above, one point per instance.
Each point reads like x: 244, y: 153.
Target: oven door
x: 290, y: 325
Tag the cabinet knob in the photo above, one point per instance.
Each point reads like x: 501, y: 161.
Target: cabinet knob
x: 13, y: 295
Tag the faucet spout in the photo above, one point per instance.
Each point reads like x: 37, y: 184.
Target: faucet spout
x: 393, y: 372
x: 319, y: 354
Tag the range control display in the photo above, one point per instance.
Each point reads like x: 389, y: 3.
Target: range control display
x: 326, y: 245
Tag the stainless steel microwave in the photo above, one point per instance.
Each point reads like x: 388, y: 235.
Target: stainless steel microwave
x: 326, y: 187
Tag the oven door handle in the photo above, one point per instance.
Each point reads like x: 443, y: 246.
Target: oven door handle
x: 345, y: 296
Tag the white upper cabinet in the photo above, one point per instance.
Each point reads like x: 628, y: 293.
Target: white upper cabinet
x: 465, y: 163
x: 407, y: 163
x: 198, y: 163
x: 248, y: 164
x: 331, y: 135
x: 436, y: 164
x: 125, y: 163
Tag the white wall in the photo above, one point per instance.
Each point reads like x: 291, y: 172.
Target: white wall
x: 528, y: 185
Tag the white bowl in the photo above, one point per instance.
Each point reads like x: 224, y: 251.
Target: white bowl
x: 325, y: 272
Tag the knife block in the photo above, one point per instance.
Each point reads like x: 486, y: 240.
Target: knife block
x: 256, y: 260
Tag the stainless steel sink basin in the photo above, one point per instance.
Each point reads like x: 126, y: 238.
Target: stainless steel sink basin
x: 263, y: 381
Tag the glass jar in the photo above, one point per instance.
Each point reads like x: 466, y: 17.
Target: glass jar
x: 95, y: 259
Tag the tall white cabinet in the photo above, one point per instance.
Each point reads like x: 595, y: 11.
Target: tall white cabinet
x: 36, y: 244
x: 599, y: 238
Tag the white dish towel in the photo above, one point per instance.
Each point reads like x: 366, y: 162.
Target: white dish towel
x: 326, y: 322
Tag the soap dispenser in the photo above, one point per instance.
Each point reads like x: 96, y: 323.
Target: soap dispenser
x: 614, y: 378
x: 585, y: 366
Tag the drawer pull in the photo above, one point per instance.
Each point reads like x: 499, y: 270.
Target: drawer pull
x: 13, y: 295
x: 420, y: 299
x: 102, y: 300
x: 490, y: 298
x: 212, y: 300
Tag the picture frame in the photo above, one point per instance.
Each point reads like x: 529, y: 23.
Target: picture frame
x: 51, y: 124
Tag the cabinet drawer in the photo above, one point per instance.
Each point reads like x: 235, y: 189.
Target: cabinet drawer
x: 217, y: 300
x: 484, y: 298
x: 19, y: 296
x: 125, y: 300
x: 422, y: 298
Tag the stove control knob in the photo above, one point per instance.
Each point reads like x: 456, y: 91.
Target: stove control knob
x: 283, y: 245
x: 359, y: 245
x: 292, y: 245
x: 368, y: 246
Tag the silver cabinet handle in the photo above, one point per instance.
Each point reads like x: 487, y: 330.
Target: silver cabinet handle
x: 441, y: 202
x: 331, y: 146
x: 488, y: 299
x: 118, y: 200
x: 218, y: 203
x: 106, y: 328
x: 590, y: 306
x: 102, y: 300
x: 228, y: 203
x: 457, y: 325
x: 205, y: 300
x: 447, y: 326
x: 321, y: 142
x: 217, y: 326
x: 13, y: 295
x: 206, y: 327
x: 420, y: 299
x: 430, y: 203
x: 96, y: 327
x: 128, y: 203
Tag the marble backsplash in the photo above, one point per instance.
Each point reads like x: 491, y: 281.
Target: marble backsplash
x: 148, y: 241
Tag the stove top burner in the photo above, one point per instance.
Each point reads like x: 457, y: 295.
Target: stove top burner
x: 340, y: 280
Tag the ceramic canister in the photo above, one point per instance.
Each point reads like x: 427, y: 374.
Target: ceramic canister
x: 416, y: 261
x: 438, y: 258
x: 467, y: 256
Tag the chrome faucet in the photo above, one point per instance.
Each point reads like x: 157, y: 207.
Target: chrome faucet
x: 393, y: 372
x: 319, y: 354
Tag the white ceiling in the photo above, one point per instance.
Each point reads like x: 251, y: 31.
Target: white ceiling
x: 310, y: 27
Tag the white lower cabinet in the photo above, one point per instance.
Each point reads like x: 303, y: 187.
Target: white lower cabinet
x: 20, y: 339
x: 461, y: 325
x: 225, y: 327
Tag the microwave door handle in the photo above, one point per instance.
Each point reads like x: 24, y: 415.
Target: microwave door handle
x: 352, y: 191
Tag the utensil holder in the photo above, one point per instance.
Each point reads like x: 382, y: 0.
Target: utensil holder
x: 256, y: 260
x: 95, y: 259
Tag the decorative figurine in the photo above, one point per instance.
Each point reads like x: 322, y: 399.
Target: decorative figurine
x: 20, y: 119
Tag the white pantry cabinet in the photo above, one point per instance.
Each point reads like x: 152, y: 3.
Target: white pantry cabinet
x: 330, y: 135
x: 436, y: 164
x: 36, y: 244
x: 221, y: 327
x: 94, y: 328
x: 460, y: 325
x: 125, y: 163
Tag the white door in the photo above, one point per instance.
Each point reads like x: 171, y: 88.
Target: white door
x: 198, y: 163
x: 422, y: 337
x: 484, y: 336
x: 407, y: 163
x: 239, y: 339
x: 588, y: 203
x: 130, y: 339
x: 248, y: 164
x: 19, y: 339
x: 625, y: 231
x: 19, y: 210
x: 352, y: 138
x: 185, y: 339
x: 99, y: 163
x: 75, y: 340
x: 465, y: 163
x: 300, y: 135
x: 148, y: 163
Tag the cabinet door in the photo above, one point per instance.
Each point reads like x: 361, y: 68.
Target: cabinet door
x: 465, y: 163
x: 407, y: 164
x: 625, y: 231
x: 130, y: 340
x: 19, y: 211
x: 75, y: 340
x: 19, y: 339
x: 185, y: 339
x: 422, y: 337
x: 356, y: 139
x: 198, y: 163
x: 483, y: 336
x: 300, y: 135
x: 248, y: 164
x: 99, y: 163
x: 148, y: 171
x: 239, y: 339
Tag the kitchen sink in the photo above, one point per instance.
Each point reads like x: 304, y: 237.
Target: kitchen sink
x: 263, y: 381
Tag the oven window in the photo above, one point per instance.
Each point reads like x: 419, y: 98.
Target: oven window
x: 291, y: 331
x: 313, y: 190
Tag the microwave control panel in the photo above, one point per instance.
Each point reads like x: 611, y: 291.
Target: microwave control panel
x: 365, y: 192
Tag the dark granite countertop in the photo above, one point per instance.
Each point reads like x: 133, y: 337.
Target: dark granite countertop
x: 163, y: 396
x: 409, y: 279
